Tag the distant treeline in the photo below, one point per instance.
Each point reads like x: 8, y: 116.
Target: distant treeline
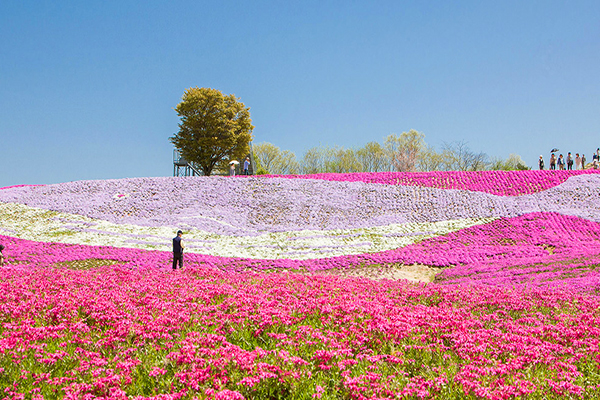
x: 405, y: 152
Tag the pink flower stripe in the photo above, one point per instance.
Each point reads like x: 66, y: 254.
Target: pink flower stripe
x: 538, y: 249
x: 503, y: 183
x: 119, y: 333
x: 18, y: 186
x: 514, y: 314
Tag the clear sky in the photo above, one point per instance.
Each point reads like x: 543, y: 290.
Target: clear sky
x: 88, y: 88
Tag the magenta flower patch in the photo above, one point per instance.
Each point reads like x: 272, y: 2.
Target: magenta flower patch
x: 91, y: 309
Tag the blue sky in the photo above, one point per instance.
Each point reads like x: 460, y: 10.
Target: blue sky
x: 88, y: 88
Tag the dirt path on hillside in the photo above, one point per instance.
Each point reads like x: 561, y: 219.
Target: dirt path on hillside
x: 415, y: 272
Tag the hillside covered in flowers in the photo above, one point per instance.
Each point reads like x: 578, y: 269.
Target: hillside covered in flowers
x: 90, y: 307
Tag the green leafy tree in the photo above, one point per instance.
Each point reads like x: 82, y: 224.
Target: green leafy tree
x: 330, y: 159
x: 403, y: 151
x: 430, y: 160
x: 265, y: 155
x: 513, y: 162
x: 214, y: 128
x: 314, y: 161
x: 341, y: 160
x: 286, y: 164
x: 272, y: 160
x: 372, y: 158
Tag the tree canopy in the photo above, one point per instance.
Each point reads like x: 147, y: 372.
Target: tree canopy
x: 404, y: 150
x: 372, y: 158
x: 214, y: 128
x: 459, y: 157
x: 513, y: 162
x: 272, y: 160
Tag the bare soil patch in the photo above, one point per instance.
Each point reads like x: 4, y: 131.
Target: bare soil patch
x: 414, y: 272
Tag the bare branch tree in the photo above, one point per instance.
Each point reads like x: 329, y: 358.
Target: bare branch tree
x: 459, y: 157
x: 430, y: 160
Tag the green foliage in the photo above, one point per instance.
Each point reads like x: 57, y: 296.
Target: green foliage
x: 331, y: 159
x: 261, y: 171
x: 275, y: 161
x: 312, y: 162
x: 403, y: 151
x: 430, y: 160
x: 343, y: 160
x: 85, y: 263
x: 372, y: 158
x: 512, y: 163
x: 214, y: 128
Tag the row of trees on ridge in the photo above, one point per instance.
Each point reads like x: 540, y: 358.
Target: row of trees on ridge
x: 405, y: 152
x: 216, y: 128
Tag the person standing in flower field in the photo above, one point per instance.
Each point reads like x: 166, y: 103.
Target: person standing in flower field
x: 246, y: 166
x: 178, y: 250
x: 541, y: 163
x: 552, y: 161
x: 583, y: 160
x: 577, y: 161
x: 569, y: 161
x: 1, y: 256
x: 561, y: 162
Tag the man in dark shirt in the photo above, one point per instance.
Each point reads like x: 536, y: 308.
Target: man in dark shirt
x: 569, y: 161
x: 178, y: 251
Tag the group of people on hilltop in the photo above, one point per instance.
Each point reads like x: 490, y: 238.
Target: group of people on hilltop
x: 568, y: 162
x: 246, y: 167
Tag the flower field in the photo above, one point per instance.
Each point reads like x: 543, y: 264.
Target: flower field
x: 90, y: 307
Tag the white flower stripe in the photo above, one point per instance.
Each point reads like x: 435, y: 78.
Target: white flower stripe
x: 50, y: 226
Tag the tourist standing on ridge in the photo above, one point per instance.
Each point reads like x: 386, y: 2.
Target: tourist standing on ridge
x: 577, y: 161
x: 561, y: 162
x: 178, y: 251
x: 541, y: 163
x: 583, y: 161
x: 569, y: 161
x: 552, y: 161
